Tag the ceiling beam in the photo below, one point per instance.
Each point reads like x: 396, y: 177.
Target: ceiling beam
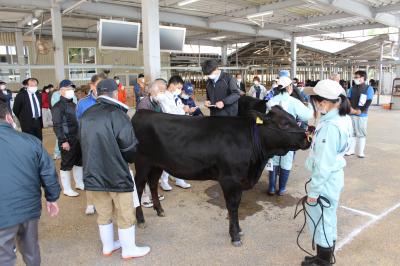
x: 388, y: 8
x: 359, y: 9
x: 339, y: 29
x: 111, y: 10
x: 254, y: 10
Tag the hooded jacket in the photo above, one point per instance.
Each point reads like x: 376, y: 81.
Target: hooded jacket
x: 108, y: 144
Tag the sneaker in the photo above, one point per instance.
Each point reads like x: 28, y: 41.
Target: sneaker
x: 161, y: 197
x: 90, y: 210
x: 165, y: 186
x: 181, y: 183
x: 147, y: 204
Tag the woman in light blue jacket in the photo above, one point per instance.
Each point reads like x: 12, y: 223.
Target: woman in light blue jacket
x: 326, y: 162
x: 283, y: 164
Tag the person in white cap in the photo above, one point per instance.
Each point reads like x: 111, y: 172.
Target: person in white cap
x: 326, y: 162
x: 283, y: 164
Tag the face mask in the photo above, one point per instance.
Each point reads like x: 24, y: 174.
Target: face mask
x: 256, y: 83
x: 160, y: 97
x: 357, y: 81
x: 177, y: 92
x: 142, y: 80
x: 32, y: 90
x: 295, y: 84
x: 47, y: 91
x: 117, y: 81
x: 239, y: 80
x: 69, y: 94
x: 2, y: 87
x: 185, y: 96
x: 213, y: 77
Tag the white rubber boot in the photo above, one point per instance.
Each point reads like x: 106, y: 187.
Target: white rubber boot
x: 182, y: 183
x: 107, y: 238
x: 128, y: 244
x: 352, y: 149
x: 361, y: 147
x: 65, y: 177
x: 164, y: 182
x: 90, y: 210
x: 78, y: 177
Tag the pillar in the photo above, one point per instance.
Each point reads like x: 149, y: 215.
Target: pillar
x: 380, y: 72
x: 56, y: 28
x: 321, y: 71
x: 293, y: 55
x: 19, y: 43
x: 151, y: 39
x: 224, y: 54
x: 398, y: 55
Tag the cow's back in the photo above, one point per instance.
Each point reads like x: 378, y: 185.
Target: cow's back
x: 194, y: 147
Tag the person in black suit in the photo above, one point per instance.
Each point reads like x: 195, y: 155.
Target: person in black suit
x: 240, y: 83
x: 28, y: 109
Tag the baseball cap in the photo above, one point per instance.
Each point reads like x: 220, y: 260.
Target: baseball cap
x: 284, y: 73
x: 284, y: 81
x: 66, y: 83
x: 188, y: 88
x: 328, y: 89
x: 107, y: 85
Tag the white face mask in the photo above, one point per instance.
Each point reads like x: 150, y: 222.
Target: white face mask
x: 2, y: 87
x: 256, y: 83
x: 357, y: 81
x: 295, y: 84
x: 117, y: 81
x: 47, y: 91
x: 142, y: 80
x: 160, y: 97
x: 177, y: 92
x: 185, y: 96
x: 69, y: 94
x: 32, y: 90
x: 239, y: 80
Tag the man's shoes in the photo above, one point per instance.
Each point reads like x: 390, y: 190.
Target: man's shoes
x: 90, y: 210
x: 165, y: 186
x: 181, y: 183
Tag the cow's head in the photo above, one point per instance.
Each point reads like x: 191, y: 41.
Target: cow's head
x: 279, y: 132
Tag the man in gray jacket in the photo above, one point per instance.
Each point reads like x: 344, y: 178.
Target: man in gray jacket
x: 26, y: 168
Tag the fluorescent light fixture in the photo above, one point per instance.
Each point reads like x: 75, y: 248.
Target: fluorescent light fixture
x: 218, y: 38
x: 261, y: 14
x: 187, y: 2
x: 311, y: 24
x: 33, y: 21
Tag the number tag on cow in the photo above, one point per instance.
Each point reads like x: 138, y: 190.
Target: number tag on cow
x: 270, y: 165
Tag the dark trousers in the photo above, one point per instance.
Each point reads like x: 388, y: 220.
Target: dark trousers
x: 34, y: 128
x: 72, y: 157
x: 26, y: 237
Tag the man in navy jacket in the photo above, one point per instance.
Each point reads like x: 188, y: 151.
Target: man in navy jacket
x: 26, y: 169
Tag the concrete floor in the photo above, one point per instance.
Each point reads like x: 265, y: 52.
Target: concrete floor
x: 195, y: 230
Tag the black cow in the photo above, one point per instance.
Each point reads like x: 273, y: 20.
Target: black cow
x: 231, y: 150
x: 247, y: 103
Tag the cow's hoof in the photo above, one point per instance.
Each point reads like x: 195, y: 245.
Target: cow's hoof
x: 141, y: 225
x: 241, y: 233
x: 237, y: 243
x: 161, y: 214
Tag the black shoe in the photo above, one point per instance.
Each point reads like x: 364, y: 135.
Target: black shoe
x: 324, y: 257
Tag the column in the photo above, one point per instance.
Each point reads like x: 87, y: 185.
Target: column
x: 398, y: 55
x: 293, y: 56
x: 380, y: 73
x: 224, y: 54
x: 56, y: 28
x: 19, y: 43
x: 321, y: 71
x: 151, y: 39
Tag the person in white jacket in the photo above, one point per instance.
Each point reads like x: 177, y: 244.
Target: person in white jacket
x: 257, y: 90
x: 171, y: 104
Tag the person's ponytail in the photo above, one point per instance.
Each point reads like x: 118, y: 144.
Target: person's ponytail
x: 344, y: 108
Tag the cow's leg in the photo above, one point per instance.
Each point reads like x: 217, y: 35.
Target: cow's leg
x: 233, y: 195
x: 154, y: 177
x: 141, y: 177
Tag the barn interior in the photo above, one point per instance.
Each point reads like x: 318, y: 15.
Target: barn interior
x: 53, y: 40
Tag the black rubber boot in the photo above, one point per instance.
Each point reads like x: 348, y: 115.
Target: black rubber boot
x: 324, y: 257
